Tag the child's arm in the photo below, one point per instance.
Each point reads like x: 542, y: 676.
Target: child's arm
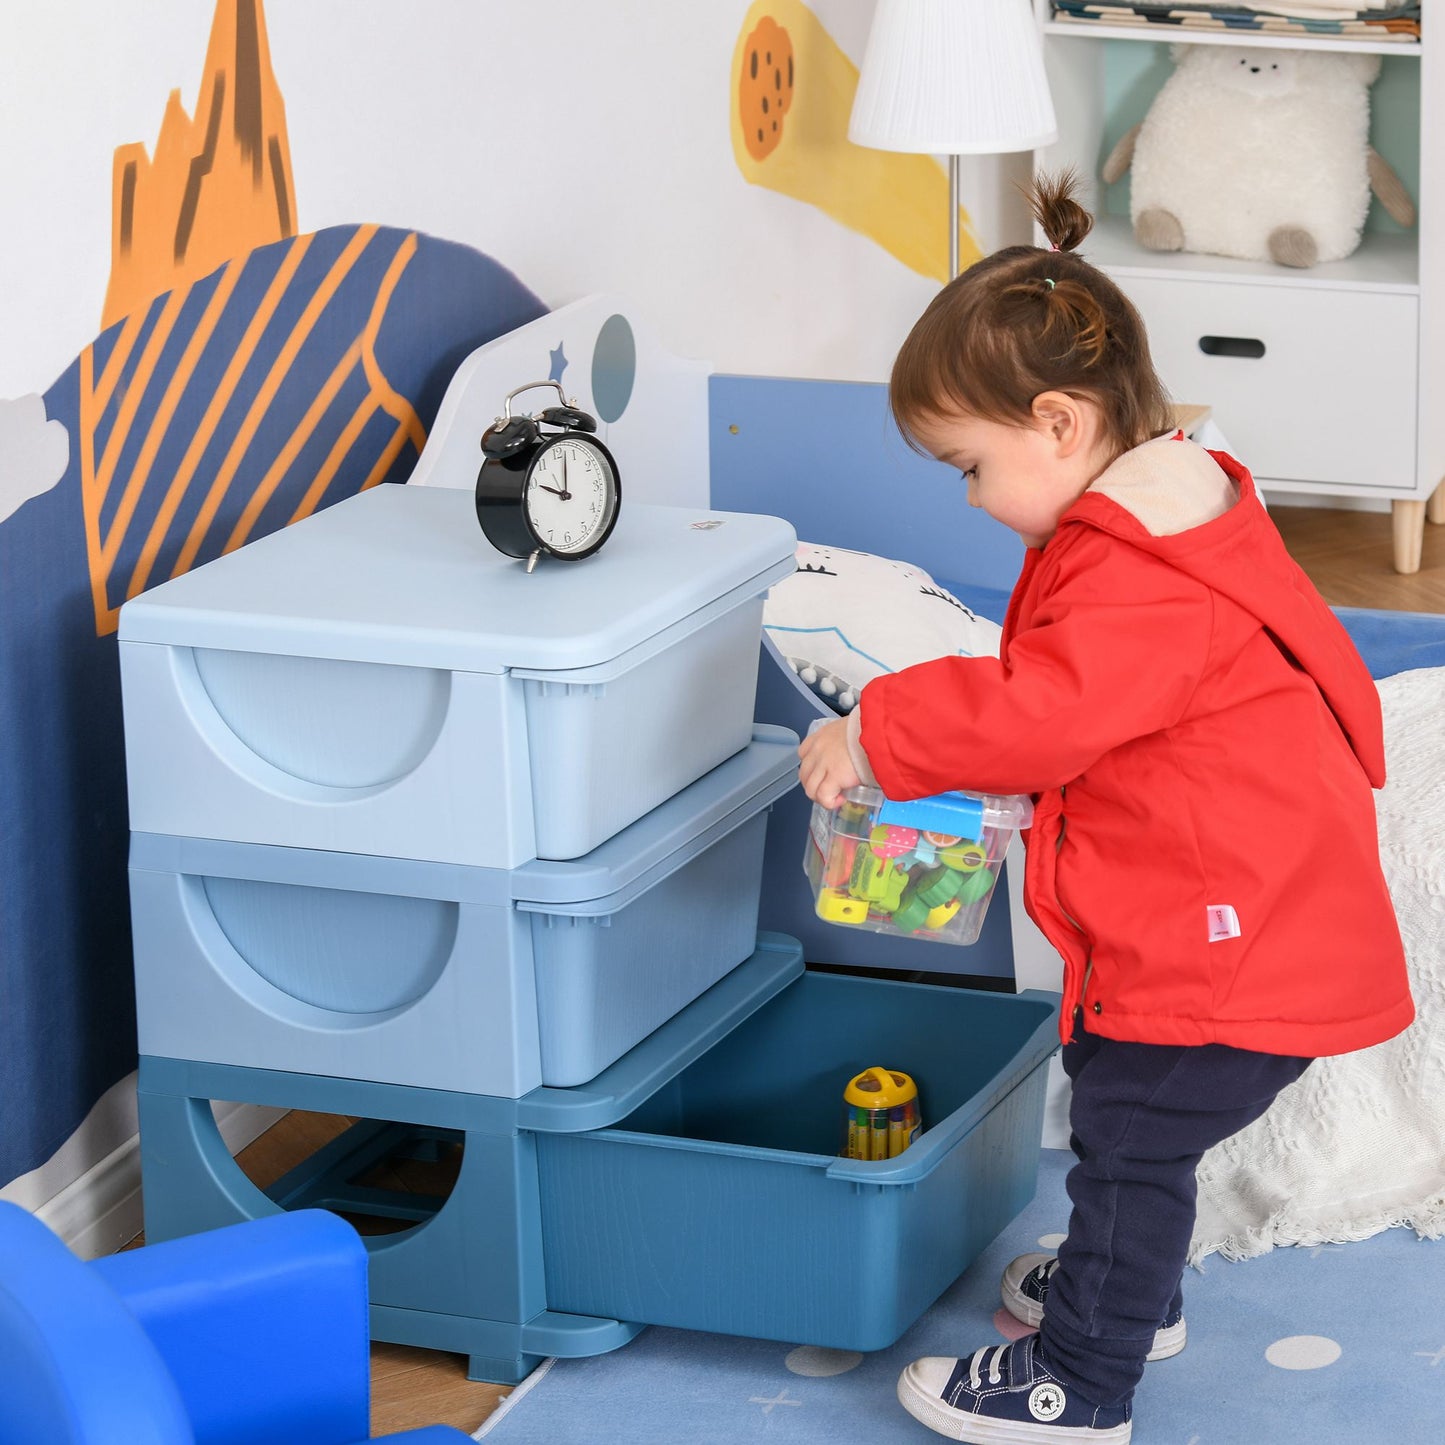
x: 1105, y: 659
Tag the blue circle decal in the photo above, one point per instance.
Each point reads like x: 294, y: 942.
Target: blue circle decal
x: 614, y: 368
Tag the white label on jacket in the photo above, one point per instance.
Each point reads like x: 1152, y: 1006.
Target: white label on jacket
x: 1223, y: 922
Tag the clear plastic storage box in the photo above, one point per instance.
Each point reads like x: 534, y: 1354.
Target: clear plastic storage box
x: 924, y: 869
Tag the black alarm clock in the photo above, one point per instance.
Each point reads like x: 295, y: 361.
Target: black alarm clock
x: 547, y: 487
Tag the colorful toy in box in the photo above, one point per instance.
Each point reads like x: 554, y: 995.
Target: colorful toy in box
x: 925, y: 868
x: 883, y: 1116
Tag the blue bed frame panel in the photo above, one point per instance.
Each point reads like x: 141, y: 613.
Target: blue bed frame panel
x: 827, y: 456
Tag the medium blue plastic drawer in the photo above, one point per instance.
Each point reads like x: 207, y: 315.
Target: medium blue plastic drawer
x: 440, y: 976
x: 720, y: 1203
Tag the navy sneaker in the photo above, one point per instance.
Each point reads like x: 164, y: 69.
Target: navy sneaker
x: 1025, y: 1289
x: 1003, y: 1395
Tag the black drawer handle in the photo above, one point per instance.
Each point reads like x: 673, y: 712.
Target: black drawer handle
x: 1247, y: 346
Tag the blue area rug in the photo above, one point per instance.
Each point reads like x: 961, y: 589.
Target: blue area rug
x: 1297, y: 1347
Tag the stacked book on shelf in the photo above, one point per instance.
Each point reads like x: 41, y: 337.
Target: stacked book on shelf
x: 1311, y: 19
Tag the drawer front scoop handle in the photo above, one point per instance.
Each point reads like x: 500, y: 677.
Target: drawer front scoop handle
x: 1246, y: 346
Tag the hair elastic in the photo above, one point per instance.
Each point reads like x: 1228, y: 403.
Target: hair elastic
x: 1049, y: 282
x: 1053, y: 245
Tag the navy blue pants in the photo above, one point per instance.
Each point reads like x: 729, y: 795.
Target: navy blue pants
x: 1142, y: 1117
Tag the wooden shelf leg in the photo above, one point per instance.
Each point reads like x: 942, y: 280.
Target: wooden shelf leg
x: 1409, y: 529
x: 1435, y: 507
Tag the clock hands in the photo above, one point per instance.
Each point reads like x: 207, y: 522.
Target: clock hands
x: 565, y: 491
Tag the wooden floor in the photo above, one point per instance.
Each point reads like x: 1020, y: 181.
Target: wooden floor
x: 1346, y: 554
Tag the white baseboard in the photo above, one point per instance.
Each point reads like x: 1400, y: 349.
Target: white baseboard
x: 89, y: 1191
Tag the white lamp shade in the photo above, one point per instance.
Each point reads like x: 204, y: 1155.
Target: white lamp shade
x: 953, y: 77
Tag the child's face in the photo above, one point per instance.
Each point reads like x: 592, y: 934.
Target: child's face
x: 1025, y: 476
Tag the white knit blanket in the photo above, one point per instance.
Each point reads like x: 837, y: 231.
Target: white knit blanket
x: 1358, y: 1144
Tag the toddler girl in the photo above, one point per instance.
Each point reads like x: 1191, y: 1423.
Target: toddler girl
x: 1201, y: 740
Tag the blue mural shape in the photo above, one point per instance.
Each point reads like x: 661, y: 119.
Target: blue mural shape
x: 291, y: 378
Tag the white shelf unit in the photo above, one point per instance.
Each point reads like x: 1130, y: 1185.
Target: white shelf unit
x: 1348, y: 397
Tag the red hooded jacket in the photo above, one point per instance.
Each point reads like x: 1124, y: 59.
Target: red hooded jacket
x: 1202, y: 738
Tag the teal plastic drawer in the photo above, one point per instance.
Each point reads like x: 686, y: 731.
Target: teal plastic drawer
x: 721, y: 1203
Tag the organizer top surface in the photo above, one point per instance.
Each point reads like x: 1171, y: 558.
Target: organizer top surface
x: 403, y: 574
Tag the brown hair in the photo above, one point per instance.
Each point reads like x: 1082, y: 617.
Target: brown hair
x: 1024, y: 321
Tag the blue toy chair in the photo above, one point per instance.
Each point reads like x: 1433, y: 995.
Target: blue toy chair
x: 252, y: 1335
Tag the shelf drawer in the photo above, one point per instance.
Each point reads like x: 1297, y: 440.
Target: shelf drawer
x: 1308, y: 384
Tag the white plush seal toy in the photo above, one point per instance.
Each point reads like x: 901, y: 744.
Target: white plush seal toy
x: 1258, y: 153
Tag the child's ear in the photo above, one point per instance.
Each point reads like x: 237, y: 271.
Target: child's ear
x: 1066, y: 420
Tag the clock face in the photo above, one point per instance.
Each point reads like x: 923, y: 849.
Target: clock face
x: 571, y: 496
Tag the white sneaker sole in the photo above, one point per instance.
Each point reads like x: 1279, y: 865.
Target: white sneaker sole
x: 928, y: 1409
x: 1167, y: 1342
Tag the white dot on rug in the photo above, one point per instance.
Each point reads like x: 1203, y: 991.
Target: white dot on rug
x: 816, y: 1361
x: 1051, y: 1241
x: 1303, y: 1352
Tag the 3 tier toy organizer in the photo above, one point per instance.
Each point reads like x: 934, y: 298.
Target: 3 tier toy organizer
x: 474, y: 856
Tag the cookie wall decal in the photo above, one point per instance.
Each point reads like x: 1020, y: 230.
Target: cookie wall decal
x: 792, y: 93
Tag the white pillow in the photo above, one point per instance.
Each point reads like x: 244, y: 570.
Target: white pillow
x: 844, y: 618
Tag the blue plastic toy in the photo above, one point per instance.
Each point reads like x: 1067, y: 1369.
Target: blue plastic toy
x: 251, y: 1335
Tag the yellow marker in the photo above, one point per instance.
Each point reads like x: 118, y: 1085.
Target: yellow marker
x: 792, y: 95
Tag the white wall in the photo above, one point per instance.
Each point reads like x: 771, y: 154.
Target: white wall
x: 586, y: 145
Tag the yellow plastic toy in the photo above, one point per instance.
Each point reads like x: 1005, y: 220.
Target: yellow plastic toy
x: 839, y: 907
x: 941, y: 916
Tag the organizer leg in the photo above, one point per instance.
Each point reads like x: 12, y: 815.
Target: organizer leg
x: 466, y: 1277
x: 494, y: 1371
x: 1435, y: 506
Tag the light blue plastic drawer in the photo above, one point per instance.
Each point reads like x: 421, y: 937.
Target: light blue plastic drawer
x: 446, y: 977
x: 377, y: 679
x: 721, y: 1203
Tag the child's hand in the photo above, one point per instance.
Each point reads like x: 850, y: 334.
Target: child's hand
x: 826, y: 769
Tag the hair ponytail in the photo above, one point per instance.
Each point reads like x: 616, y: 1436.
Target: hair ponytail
x: 1025, y: 321
x: 1061, y: 218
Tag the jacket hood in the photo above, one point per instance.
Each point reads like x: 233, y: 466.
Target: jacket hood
x: 1198, y: 510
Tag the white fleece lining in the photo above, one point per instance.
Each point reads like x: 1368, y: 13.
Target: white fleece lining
x: 1168, y: 486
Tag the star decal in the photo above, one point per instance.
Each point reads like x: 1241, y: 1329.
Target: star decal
x: 559, y: 363
x: 769, y: 1405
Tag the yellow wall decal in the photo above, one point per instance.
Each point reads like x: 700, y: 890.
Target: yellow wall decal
x: 791, y: 95
x: 219, y: 184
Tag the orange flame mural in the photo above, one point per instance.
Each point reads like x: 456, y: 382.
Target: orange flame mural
x: 199, y: 367
x: 219, y: 184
